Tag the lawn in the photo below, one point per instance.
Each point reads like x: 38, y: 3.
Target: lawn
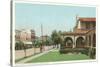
x: 56, y: 56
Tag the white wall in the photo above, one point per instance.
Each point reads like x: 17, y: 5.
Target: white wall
x: 79, y: 25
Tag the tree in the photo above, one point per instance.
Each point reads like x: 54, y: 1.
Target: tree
x: 34, y: 44
x: 23, y: 46
x: 37, y: 44
x: 17, y: 46
x: 56, y: 38
x: 48, y: 41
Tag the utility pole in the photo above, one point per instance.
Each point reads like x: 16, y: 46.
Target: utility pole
x: 41, y: 48
x: 42, y: 31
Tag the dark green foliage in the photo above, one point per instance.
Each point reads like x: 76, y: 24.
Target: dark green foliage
x: 56, y: 37
x: 85, y: 51
x: 48, y: 42
x: 37, y: 43
x: 92, y: 53
x: 19, y: 45
x: 74, y: 50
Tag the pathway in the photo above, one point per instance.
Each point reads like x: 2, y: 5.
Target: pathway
x: 32, y: 57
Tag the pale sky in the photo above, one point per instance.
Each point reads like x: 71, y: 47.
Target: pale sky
x: 52, y: 17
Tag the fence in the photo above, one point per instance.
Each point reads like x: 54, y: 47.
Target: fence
x: 31, y: 51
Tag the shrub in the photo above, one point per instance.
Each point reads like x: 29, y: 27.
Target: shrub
x: 92, y: 53
x: 85, y: 51
x: 19, y: 45
x: 75, y: 50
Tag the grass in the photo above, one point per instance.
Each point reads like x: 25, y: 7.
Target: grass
x: 56, y: 56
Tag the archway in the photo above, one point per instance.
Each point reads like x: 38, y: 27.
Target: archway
x: 80, y: 42
x: 68, y: 42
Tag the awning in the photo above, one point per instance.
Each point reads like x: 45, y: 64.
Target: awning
x: 27, y: 42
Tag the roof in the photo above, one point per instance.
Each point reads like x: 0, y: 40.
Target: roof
x: 87, y: 19
x: 81, y: 31
x: 77, y: 32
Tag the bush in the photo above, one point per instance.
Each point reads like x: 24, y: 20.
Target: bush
x: 85, y: 51
x: 92, y: 53
x: 19, y: 45
x: 74, y: 50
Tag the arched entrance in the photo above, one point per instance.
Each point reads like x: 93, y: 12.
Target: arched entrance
x: 80, y: 42
x: 68, y: 42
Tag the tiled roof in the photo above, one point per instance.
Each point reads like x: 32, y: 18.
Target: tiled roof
x: 77, y: 32
x: 81, y: 31
x: 87, y: 19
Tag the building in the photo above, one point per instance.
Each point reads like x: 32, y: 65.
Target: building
x: 44, y: 38
x: 17, y: 35
x: 83, y: 35
x: 26, y: 36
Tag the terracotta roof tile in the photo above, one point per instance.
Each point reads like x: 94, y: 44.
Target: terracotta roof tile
x: 77, y: 32
x: 81, y: 31
x: 87, y: 19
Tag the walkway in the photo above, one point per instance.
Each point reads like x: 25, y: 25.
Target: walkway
x: 32, y: 57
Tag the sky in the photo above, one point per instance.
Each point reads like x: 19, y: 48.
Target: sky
x: 52, y: 17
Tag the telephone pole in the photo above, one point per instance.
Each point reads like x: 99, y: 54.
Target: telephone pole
x: 42, y: 38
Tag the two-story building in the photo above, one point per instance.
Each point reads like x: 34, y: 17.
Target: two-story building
x: 25, y: 36
x: 83, y: 35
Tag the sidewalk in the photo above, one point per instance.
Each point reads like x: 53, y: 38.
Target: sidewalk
x: 28, y: 59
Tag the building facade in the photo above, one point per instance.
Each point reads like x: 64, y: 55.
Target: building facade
x: 26, y: 36
x: 83, y: 35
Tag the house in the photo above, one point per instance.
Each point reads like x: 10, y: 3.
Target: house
x: 82, y: 39
x: 83, y: 35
